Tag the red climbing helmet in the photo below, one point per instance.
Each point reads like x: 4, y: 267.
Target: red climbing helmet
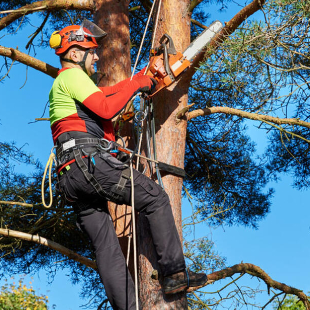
x: 83, y: 35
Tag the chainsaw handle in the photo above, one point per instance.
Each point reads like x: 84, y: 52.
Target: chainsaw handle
x: 171, y: 48
x: 166, y: 63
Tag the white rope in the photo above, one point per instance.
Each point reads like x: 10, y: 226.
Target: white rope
x: 142, y: 41
x: 134, y: 235
x: 131, y: 168
x: 156, y: 22
x: 154, y: 32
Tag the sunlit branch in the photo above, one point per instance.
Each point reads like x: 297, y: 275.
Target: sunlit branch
x: 253, y: 116
x: 51, y: 244
x: 29, y: 61
x: 22, y: 204
x: 42, y: 119
x: 197, y: 23
x: 257, y: 272
x: 193, y: 4
x: 29, y: 205
x: 39, y: 8
x: 48, y: 6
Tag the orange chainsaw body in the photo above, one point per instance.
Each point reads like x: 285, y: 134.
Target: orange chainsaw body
x: 166, y: 67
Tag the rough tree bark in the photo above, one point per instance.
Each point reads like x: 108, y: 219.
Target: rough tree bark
x: 114, y: 63
x: 170, y: 142
x: 115, y: 66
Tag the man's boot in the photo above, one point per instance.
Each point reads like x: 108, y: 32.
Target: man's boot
x: 182, y: 280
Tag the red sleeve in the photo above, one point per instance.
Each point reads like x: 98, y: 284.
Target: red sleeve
x: 110, y: 90
x: 108, y: 107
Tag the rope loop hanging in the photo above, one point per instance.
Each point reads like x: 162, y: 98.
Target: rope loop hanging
x: 48, y: 167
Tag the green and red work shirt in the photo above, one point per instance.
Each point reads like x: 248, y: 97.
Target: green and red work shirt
x: 77, y: 104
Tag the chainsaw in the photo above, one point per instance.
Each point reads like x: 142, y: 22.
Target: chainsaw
x: 166, y: 64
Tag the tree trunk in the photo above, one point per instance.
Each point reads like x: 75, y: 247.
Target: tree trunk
x: 115, y: 66
x: 112, y: 16
x: 170, y: 143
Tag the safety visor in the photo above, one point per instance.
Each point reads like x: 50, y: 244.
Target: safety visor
x: 87, y: 29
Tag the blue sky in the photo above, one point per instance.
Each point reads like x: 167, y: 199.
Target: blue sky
x: 280, y: 246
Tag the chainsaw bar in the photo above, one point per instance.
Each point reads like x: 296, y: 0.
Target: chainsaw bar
x: 169, y: 64
x: 202, y: 40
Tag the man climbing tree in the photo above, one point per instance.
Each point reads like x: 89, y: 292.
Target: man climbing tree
x: 80, y: 115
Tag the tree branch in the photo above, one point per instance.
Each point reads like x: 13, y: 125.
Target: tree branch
x: 193, y: 4
x: 51, y: 244
x: 36, y: 206
x: 229, y: 28
x: 38, y: 30
x: 253, y: 116
x: 47, y: 5
x: 29, y: 61
x: 257, y: 272
x: 197, y: 23
x: 22, y: 204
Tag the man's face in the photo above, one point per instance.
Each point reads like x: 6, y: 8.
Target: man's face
x: 77, y: 55
x: 90, y: 61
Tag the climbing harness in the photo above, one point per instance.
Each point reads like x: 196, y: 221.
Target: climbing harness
x: 76, y: 149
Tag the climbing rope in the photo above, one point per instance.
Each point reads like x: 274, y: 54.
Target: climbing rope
x: 156, y: 22
x: 48, y: 167
x: 134, y: 235
x: 138, y: 152
x: 143, y: 37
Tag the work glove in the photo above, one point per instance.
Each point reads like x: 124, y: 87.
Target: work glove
x: 147, y: 84
x: 140, y: 73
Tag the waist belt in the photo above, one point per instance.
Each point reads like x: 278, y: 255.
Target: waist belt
x: 64, y: 151
x: 76, y: 148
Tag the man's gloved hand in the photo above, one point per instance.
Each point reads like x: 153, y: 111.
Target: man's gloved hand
x: 147, y: 84
x: 140, y: 73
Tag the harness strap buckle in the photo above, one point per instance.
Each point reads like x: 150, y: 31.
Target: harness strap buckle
x: 119, y: 188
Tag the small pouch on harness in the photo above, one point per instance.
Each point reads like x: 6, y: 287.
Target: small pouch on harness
x: 112, y: 161
x: 118, y: 190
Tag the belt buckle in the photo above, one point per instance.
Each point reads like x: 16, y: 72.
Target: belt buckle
x: 102, y: 141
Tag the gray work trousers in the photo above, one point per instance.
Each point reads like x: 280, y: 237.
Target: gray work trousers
x: 96, y: 222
